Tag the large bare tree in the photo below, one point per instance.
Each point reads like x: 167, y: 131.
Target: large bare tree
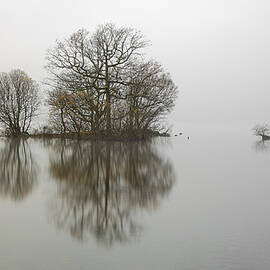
x: 95, y: 63
x: 106, y: 77
x: 18, y: 101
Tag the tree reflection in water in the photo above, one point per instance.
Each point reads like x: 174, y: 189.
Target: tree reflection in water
x: 262, y: 146
x: 18, y: 171
x: 102, y: 187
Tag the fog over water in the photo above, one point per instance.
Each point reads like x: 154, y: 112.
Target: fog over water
x: 194, y: 201
x: 216, y: 50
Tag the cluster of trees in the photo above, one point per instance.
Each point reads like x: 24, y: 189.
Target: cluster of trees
x: 100, y: 83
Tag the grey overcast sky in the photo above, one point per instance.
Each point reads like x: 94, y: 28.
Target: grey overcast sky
x: 217, y: 51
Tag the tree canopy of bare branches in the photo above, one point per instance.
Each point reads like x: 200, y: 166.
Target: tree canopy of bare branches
x: 18, y: 101
x: 263, y: 131
x: 101, y: 81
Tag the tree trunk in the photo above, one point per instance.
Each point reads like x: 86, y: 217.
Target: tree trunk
x: 108, y: 112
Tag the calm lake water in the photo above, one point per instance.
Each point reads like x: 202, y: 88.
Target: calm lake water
x: 174, y: 203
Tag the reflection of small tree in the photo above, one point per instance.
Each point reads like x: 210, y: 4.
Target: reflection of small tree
x: 17, y: 169
x: 261, y: 146
x: 262, y: 130
x: 101, y: 186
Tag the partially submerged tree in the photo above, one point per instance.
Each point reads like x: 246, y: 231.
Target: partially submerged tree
x: 18, y: 102
x: 110, y: 85
x: 262, y: 130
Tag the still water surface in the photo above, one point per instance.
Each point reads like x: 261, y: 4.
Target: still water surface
x: 174, y: 203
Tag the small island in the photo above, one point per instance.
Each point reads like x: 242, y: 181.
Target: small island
x: 100, y: 86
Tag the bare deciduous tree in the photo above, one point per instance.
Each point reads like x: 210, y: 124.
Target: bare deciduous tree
x: 151, y: 95
x: 95, y: 63
x: 110, y: 85
x: 263, y: 131
x: 18, y: 101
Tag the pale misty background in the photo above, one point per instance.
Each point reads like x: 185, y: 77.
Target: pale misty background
x: 217, y: 51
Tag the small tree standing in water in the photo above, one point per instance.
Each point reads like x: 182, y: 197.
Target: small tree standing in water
x: 263, y: 131
x: 18, y: 102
